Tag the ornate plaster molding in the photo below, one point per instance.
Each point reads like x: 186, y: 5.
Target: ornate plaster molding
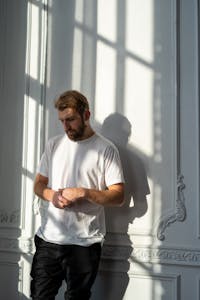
x: 21, y: 245
x: 180, y: 213
x: 173, y: 256
x: 168, y: 256
x: 9, y: 218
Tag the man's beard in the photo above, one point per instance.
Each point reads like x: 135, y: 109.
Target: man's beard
x: 76, y: 134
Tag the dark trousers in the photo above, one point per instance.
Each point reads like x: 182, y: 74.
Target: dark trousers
x: 53, y: 263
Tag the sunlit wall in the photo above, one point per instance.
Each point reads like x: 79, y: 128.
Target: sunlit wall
x: 122, y: 56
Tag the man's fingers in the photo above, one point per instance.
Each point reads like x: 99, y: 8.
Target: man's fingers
x: 60, y: 198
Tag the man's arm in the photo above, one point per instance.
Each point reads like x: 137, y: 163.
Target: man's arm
x: 113, y: 196
x: 42, y: 190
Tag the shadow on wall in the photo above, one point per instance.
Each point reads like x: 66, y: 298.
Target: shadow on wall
x: 117, y: 128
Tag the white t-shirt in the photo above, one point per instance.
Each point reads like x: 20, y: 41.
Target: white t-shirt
x: 90, y: 163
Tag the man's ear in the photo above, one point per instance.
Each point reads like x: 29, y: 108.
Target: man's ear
x: 87, y: 115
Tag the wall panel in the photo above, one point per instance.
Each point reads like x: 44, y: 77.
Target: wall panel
x: 139, y: 286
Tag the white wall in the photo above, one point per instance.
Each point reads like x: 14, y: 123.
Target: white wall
x: 137, y: 62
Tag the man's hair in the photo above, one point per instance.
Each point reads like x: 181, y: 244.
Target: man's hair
x: 72, y: 99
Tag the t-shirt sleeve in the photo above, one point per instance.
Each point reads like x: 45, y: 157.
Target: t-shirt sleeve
x: 113, y: 167
x: 43, y: 167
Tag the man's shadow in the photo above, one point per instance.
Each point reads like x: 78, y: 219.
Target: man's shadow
x: 117, y: 128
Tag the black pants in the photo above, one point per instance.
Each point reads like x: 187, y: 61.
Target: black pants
x: 53, y: 263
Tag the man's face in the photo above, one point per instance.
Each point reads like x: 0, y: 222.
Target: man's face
x: 73, y: 123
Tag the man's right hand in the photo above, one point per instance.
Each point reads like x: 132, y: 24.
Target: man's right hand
x: 59, y: 201
x: 42, y: 190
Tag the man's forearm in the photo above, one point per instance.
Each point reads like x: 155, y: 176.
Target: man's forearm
x: 114, y: 196
x: 42, y: 191
x: 105, y: 198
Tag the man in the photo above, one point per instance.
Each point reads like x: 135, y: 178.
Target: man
x: 79, y: 173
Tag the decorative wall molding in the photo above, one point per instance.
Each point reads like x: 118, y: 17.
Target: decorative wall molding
x: 172, y: 256
x: 20, y: 245
x: 9, y: 218
x: 168, y: 256
x: 180, y: 213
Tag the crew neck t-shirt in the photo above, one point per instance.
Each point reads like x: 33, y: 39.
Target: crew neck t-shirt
x: 91, y: 163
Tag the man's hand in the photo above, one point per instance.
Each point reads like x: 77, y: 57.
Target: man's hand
x: 59, y: 201
x: 70, y: 195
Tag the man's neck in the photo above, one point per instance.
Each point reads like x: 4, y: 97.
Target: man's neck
x: 88, y: 133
